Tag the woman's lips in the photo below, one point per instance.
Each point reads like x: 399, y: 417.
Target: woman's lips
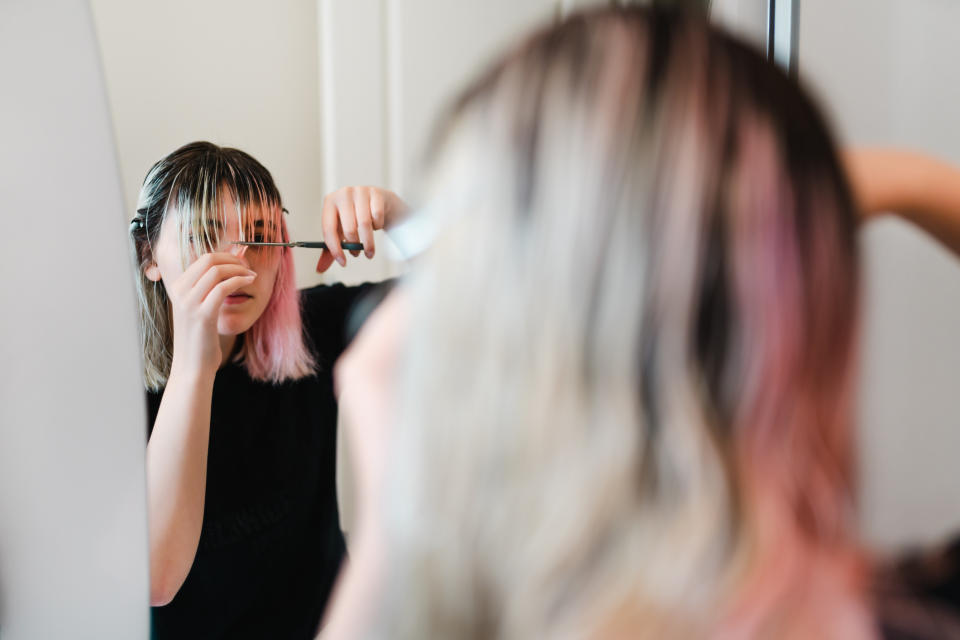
x: 237, y: 298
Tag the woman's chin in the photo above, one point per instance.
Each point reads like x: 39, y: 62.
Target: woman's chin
x: 233, y: 325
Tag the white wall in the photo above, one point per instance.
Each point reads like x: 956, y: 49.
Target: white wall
x: 887, y: 71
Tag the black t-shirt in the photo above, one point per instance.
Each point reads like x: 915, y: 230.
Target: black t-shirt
x: 271, y: 545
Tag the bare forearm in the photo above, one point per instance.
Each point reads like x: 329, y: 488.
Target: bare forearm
x: 366, y: 377
x: 357, y: 594
x: 176, y: 480
x: 917, y: 187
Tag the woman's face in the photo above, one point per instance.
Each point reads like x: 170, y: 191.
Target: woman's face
x: 244, y: 307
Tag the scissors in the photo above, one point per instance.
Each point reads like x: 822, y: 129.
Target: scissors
x: 346, y: 246
x: 408, y: 239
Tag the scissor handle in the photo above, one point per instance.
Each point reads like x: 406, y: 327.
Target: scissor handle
x: 347, y: 246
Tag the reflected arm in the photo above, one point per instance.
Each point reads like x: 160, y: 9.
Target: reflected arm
x: 176, y: 479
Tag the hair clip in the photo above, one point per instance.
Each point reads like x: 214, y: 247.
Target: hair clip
x: 284, y: 209
x: 140, y: 220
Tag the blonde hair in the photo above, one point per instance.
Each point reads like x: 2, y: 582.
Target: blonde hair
x: 189, y: 183
x: 625, y: 407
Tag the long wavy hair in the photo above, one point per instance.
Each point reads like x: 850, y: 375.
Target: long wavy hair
x: 189, y: 184
x: 626, y: 404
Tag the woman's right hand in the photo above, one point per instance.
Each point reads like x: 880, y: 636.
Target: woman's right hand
x: 196, y: 297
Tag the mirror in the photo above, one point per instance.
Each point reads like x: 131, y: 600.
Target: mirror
x: 328, y: 93
x: 73, y: 548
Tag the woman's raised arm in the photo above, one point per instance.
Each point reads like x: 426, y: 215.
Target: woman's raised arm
x: 920, y: 188
x: 177, y: 451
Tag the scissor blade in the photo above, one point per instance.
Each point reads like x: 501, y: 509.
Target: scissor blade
x: 267, y: 244
x: 346, y: 246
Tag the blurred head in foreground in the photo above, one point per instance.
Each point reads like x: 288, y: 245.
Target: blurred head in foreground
x: 626, y: 405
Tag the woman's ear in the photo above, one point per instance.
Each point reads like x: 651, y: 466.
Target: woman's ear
x: 152, y: 271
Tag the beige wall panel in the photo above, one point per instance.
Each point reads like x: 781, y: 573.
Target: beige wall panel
x: 353, y: 104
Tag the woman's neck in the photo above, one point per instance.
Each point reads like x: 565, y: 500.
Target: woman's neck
x: 227, y: 345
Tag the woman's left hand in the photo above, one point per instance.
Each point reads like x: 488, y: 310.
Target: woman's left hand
x: 352, y: 214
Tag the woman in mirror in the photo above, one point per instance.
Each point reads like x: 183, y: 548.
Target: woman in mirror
x: 245, y: 537
x: 648, y: 255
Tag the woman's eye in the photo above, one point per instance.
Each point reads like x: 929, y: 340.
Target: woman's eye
x: 259, y: 238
